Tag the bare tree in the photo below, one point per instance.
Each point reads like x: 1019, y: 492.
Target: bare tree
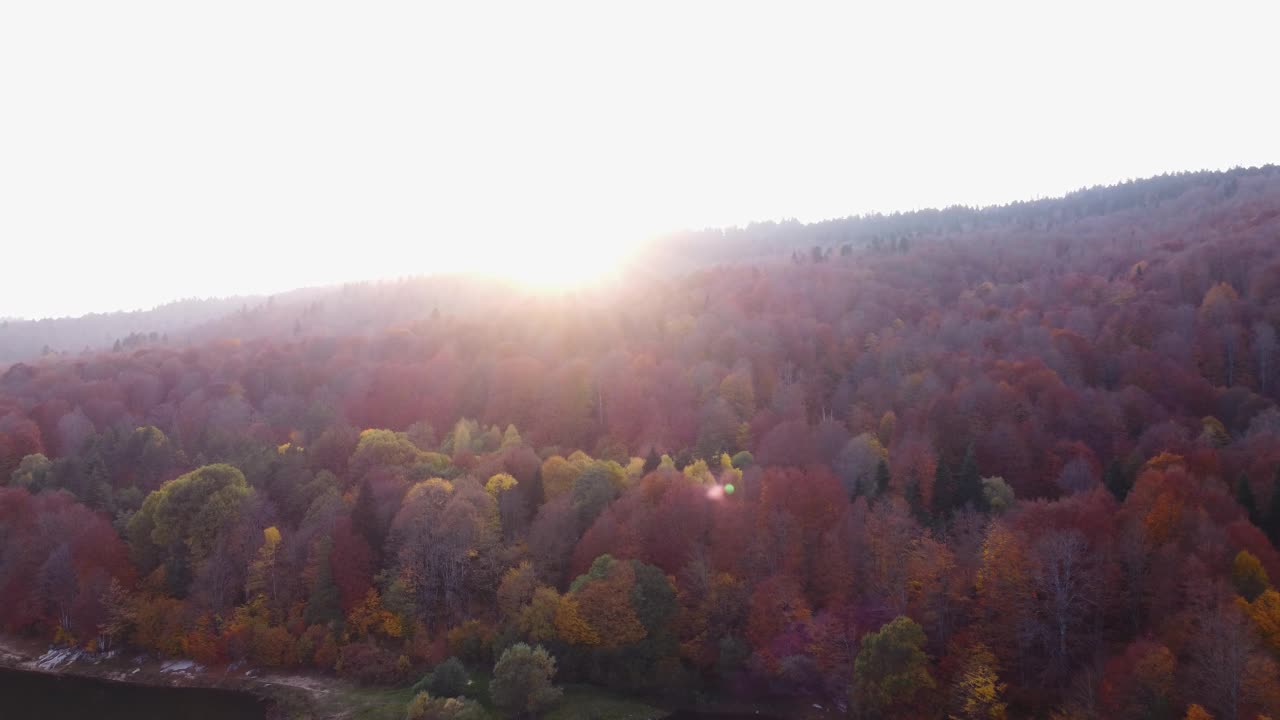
x: 1067, y: 588
x: 1227, y: 668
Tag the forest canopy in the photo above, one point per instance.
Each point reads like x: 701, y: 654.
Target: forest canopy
x: 962, y: 463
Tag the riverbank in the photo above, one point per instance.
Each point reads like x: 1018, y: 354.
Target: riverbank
x: 296, y: 696
x: 287, y: 696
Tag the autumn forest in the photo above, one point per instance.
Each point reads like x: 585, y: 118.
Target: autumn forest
x: 1021, y: 461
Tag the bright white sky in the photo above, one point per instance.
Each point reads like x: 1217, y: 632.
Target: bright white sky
x: 157, y: 150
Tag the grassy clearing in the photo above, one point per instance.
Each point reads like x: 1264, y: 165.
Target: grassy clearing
x: 580, y: 702
x: 583, y: 702
x: 359, y: 703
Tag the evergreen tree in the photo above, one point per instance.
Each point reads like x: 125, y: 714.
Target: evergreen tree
x: 324, y: 604
x: 1117, y: 480
x: 652, y: 461
x: 915, y: 499
x: 365, y: 520
x: 1244, y: 496
x: 882, y: 478
x: 1273, y: 512
x: 968, y: 483
x: 944, y: 491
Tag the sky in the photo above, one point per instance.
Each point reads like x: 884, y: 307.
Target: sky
x: 151, y: 151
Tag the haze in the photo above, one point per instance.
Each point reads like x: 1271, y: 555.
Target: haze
x: 154, y: 151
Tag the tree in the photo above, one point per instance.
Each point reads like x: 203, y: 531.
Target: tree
x: 944, y: 490
x: 32, y: 473
x: 1067, y: 586
x: 448, y: 679
x: 592, y: 491
x: 1227, y: 668
x: 997, y: 495
x: 1139, y: 683
x: 366, y: 520
x: 521, y: 682
x: 882, y: 478
x: 1244, y: 496
x: 181, y: 522
x: 1196, y: 712
x: 536, y: 621
x: 263, y: 572
x: 1117, y: 481
x: 1265, y: 613
x: 968, y: 482
x: 891, y: 668
x: 651, y: 460
x: 603, y: 597
x: 324, y: 603
x: 425, y: 707
x: 976, y: 691
x: 1248, y: 576
x: 516, y: 589
x: 1272, y: 527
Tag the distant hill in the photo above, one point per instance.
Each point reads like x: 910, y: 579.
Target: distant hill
x: 1140, y: 208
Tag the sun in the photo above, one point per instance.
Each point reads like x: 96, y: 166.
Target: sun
x: 556, y: 261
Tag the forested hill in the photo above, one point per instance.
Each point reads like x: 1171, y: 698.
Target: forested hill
x: 1127, y: 214
x: 1017, y: 461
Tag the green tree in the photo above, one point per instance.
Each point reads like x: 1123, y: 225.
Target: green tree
x: 426, y: 707
x: 1248, y: 576
x: 1273, y: 512
x: 448, y: 679
x: 968, y: 482
x: 521, y: 683
x: 367, y: 521
x: 32, y: 472
x: 944, y: 490
x: 915, y: 499
x: 651, y: 460
x: 1117, y: 481
x: 1244, y: 496
x: 882, y: 477
x: 382, y: 448
x: 996, y: 494
x: 324, y: 604
x: 891, y: 667
x: 592, y: 493
x: 180, y: 523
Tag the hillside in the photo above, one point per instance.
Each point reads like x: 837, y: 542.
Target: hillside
x: 1137, y: 208
x: 919, y: 464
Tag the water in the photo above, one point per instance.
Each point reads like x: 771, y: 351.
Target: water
x: 694, y: 715
x: 37, y: 696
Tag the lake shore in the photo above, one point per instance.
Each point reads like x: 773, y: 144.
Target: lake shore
x: 289, y: 696
x: 296, y: 696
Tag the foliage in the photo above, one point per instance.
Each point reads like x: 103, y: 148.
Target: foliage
x: 892, y: 667
x: 425, y: 707
x: 448, y: 679
x: 521, y: 682
x: 915, y: 420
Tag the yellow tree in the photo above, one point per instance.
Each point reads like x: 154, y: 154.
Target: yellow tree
x: 370, y: 617
x: 1004, y: 589
x: 516, y: 589
x: 540, y: 620
x: 571, y: 627
x: 263, y: 577
x: 976, y: 692
x: 1195, y: 712
x: 1265, y: 613
x: 1248, y: 576
x: 605, y: 604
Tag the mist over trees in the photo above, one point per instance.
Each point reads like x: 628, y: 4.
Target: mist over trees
x: 959, y: 463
